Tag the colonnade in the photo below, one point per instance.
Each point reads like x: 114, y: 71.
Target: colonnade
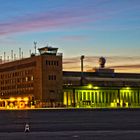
x: 122, y: 97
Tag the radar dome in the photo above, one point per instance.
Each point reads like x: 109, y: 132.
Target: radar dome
x: 102, y: 62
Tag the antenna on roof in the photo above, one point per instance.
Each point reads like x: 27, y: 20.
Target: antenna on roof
x: 19, y: 53
x: 35, y: 46
x: 8, y: 58
x: 30, y: 52
x: 0, y: 59
x: 4, y: 56
x: 22, y: 54
x: 47, y: 45
x: 12, y: 55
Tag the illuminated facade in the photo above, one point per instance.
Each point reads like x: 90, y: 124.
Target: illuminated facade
x: 34, y: 81
x: 101, y: 89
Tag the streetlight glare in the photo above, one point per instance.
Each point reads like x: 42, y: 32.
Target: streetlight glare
x: 89, y: 85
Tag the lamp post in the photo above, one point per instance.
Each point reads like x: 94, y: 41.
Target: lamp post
x: 82, y: 68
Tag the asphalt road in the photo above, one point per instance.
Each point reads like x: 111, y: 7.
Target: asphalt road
x: 68, y: 124
x: 72, y: 135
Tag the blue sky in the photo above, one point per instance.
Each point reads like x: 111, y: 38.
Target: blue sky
x: 109, y: 28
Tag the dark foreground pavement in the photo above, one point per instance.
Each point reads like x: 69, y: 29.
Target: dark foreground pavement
x: 73, y: 135
x: 94, y: 124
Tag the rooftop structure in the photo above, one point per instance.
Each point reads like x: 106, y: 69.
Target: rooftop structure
x: 48, y: 50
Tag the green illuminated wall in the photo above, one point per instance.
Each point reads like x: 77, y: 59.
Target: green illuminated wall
x: 101, y: 97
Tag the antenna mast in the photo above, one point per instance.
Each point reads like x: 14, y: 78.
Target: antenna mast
x: 30, y: 53
x: 19, y: 53
x: 22, y: 54
x: 4, y: 56
x: 11, y: 55
x: 14, y: 56
x: 0, y: 59
x: 35, y: 46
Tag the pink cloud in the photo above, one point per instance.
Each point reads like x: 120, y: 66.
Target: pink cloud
x: 47, y: 20
x: 61, y: 17
x: 55, y: 18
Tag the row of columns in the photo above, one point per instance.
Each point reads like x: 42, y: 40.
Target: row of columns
x: 101, y: 97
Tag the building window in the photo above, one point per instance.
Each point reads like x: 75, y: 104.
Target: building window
x: 32, y: 78
x: 52, y: 63
x: 57, y: 63
x: 26, y: 79
x: 52, y: 77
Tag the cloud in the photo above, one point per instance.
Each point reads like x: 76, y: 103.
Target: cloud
x: 60, y: 17
x: 48, y: 20
x: 127, y: 68
x: 72, y: 60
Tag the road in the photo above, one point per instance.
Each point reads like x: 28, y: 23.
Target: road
x: 72, y: 135
x: 71, y: 124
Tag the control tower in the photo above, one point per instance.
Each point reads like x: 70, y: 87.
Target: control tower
x: 51, y: 69
x: 48, y: 50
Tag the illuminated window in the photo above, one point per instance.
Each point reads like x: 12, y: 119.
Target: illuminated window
x: 88, y: 95
x: 32, y: 78
x: 92, y: 96
x: 103, y: 97
x: 95, y: 97
x: 26, y: 79
x: 84, y: 95
x: 80, y: 96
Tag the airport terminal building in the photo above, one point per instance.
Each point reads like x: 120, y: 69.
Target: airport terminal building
x: 101, y: 89
x: 39, y: 81
x: 34, y: 81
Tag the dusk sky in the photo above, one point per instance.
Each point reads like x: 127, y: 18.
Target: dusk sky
x: 94, y: 28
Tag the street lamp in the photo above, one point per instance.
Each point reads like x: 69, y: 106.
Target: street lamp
x: 82, y: 68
